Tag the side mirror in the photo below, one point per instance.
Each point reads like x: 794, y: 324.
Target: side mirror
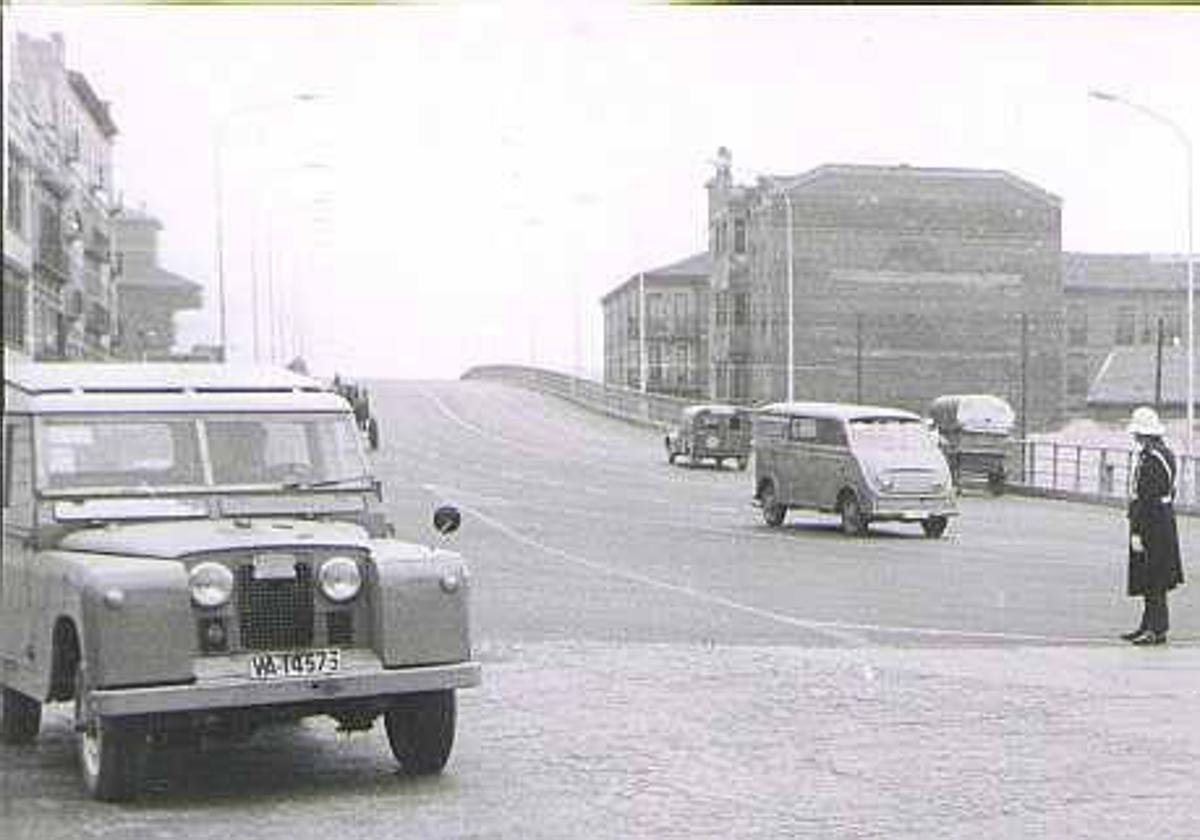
x: 446, y: 519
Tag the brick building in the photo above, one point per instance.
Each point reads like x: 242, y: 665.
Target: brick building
x: 676, y: 323
x: 909, y: 283
x: 149, y: 295
x: 59, y: 293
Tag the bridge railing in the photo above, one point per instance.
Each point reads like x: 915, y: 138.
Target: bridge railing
x: 1037, y: 466
x: 1105, y: 472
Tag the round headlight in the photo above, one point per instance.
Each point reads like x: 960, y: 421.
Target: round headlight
x: 340, y: 579
x: 211, y: 584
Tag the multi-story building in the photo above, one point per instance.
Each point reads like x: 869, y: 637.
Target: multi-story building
x: 19, y: 177
x: 1116, y: 302
x: 58, y: 161
x: 676, y: 329
x: 149, y: 296
x: 907, y: 283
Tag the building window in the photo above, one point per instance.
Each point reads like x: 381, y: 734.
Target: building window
x: 721, y: 301
x: 1077, y: 327
x: 15, y: 314
x: 15, y: 190
x: 739, y: 236
x: 1126, y: 325
x: 741, y: 309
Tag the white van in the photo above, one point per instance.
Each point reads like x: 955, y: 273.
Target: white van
x: 865, y: 463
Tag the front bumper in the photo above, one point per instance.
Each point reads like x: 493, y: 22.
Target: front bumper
x: 912, y: 509
x: 222, y: 684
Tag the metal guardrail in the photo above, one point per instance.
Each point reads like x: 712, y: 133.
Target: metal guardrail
x: 1102, y: 474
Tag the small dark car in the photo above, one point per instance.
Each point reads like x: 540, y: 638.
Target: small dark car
x: 711, y: 432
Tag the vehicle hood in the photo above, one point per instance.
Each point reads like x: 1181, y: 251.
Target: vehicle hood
x: 175, y: 539
x: 881, y: 459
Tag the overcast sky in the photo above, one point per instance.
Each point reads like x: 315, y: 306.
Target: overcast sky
x: 472, y: 178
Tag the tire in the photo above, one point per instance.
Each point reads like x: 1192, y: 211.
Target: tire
x: 772, y: 511
x: 373, y: 433
x: 20, y: 717
x: 934, y: 526
x: 420, y: 731
x: 111, y: 753
x: 854, y: 524
x: 995, y: 482
x: 720, y: 462
x: 742, y: 462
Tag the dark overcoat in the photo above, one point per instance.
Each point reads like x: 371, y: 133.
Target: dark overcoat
x: 1152, y: 519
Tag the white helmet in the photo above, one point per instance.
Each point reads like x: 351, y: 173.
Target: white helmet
x: 1145, y: 422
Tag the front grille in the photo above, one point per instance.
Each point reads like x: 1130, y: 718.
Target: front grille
x: 275, y: 613
x: 916, y: 482
x: 340, y: 627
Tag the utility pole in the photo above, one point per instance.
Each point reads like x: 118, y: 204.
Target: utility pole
x: 642, y: 329
x: 1024, y: 373
x: 858, y: 358
x: 1158, y: 369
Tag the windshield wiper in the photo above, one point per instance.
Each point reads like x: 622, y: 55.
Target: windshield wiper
x: 327, y: 482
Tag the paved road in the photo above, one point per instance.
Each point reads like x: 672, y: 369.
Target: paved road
x: 658, y: 664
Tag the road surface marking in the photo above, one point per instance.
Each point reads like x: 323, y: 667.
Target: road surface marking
x: 849, y: 633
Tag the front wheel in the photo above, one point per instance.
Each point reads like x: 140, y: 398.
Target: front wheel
x: 111, y: 752
x: 854, y: 524
x: 420, y: 731
x: 741, y: 463
x: 934, y: 526
x: 20, y: 717
x: 995, y: 482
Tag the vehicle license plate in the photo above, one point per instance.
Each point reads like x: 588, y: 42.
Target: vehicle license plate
x: 274, y: 567
x: 300, y: 663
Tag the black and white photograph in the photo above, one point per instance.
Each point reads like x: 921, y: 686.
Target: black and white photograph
x: 599, y: 420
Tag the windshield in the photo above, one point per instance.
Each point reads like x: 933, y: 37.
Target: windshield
x: 163, y: 452
x: 895, y: 433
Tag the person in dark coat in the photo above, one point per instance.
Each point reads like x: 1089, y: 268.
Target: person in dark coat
x: 1155, y: 567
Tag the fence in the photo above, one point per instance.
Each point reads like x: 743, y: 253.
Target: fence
x: 1037, y: 466
x: 1100, y: 472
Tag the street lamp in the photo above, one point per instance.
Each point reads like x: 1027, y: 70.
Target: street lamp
x: 267, y: 202
x: 1179, y: 133
x: 218, y: 176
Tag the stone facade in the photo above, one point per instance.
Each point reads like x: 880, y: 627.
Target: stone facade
x: 909, y: 283
x: 58, y: 137
x: 676, y: 300
x: 149, y: 295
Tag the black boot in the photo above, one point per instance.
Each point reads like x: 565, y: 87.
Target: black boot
x: 1133, y: 634
x: 1149, y: 637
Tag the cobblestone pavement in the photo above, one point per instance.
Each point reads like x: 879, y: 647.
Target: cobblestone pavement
x: 675, y: 741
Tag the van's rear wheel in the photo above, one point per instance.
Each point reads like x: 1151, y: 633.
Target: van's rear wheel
x: 772, y: 511
x: 854, y: 524
x: 934, y: 526
x: 20, y: 717
x: 111, y: 753
x: 420, y: 731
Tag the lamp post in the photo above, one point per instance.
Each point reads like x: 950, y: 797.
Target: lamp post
x: 791, y: 301
x: 1182, y: 136
x: 218, y: 176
